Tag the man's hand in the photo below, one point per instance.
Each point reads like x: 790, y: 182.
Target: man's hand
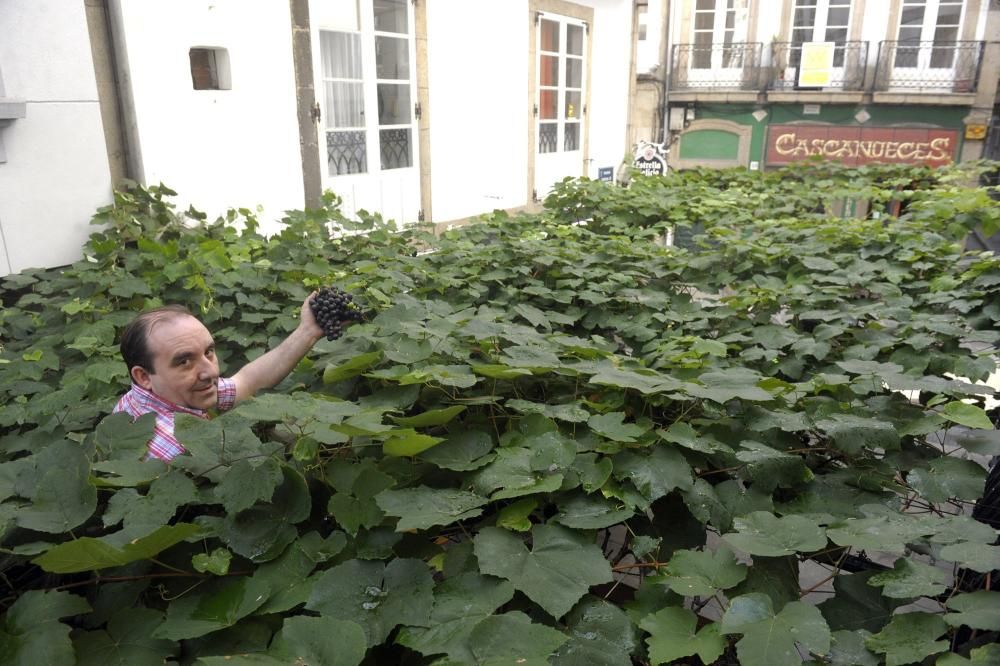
x: 269, y: 369
x: 307, y: 320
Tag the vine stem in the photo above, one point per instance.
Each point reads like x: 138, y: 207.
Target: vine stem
x: 162, y: 574
x: 639, y: 565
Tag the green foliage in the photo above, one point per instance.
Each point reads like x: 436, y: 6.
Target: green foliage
x: 550, y: 440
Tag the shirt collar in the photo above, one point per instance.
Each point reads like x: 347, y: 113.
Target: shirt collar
x: 159, y: 404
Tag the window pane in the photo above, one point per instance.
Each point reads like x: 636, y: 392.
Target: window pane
x: 548, y: 70
x: 547, y: 133
x: 392, y: 58
x: 574, y: 39
x: 703, y: 21
x: 838, y: 16
x: 547, y: 104
x: 800, y: 35
x: 912, y: 17
x: 906, y: 56
x: 573, y: 107
x: 943, y: 57
x: 571, y: 139
x: 550, y: 35
x: 705, y: 5
x: 908, y: 34
x: 393, y: 104
x: 346, y: 153
x: 341, y: 54
x: 949, y: 14
x: 390, y: 16
x: 394, y: 146
x: 574, y: 73
x: 805, y: 17
x: 838, y: 35
x: 345, y: 104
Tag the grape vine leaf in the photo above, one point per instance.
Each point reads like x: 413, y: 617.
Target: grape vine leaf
x: 770, y: 639
x: 590, y: 512
x: 320, y: 640
x: 351, y: 368
x: 698, y: 573
x: 88, y: 553
x: 847, y: 648
x: 987, y: 655
x: 857, y: 605
x: 559, y: 569
x: 656, y: 473
x: 127, y: 641
x: 491, y: 641
x: 908, y: 638
x: 599, y: 633
x: 460, y: 603
x: 461, y: 451
x: 968, y: 415
x: 376, y: 595
x: 910, y: 579
x: 612, y: 426
x: 246, y: 483
x: 62, y: 496
x: 31, y: 632
x: 977, y: 610
x: 979, y: 557
x: 673, y: 635
x: 432, y: 417
x: 943, y: 478
x: 422, y: 507
x: 763, y: 533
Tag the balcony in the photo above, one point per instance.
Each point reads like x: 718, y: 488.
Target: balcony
x: 942, y: 68
x: 850, y: 62
x: 907, y: 72
x: 726, y: 68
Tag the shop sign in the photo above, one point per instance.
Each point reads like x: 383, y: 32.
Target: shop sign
x: 649, y: 159
x: 855, y: 146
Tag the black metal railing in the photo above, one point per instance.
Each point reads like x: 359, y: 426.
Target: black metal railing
x: 913, y: 66
x: 735, y: 66
x: 850, y: 62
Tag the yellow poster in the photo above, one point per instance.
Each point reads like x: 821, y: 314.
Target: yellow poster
x: 816, y: 64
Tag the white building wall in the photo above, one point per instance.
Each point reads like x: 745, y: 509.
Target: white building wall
x: 610, y: 82
x: 478, y: 69
x: 56, y: 174
x: 477, y: 53
x: 217, y: 148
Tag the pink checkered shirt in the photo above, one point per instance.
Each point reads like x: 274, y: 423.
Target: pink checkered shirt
x: 164, y: 445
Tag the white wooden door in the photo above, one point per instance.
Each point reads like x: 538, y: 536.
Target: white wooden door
x: 561, y: 67
x: 367, y: 94
x: 718, y: 52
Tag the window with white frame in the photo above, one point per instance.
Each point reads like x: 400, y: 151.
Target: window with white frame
x: 718, y: 22
x: 560, y: 84
x: 820, y: 21
x: 934, y: 22
x: 368, y: 82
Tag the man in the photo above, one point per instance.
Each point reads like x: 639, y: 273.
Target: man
x: 171, y: 359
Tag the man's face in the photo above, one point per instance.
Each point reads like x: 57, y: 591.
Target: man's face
x: 185, y: 369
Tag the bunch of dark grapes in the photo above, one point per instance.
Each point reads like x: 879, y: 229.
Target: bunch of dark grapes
x: 334, y: 311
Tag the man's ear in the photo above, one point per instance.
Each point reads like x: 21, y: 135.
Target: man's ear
x: 141, y: 377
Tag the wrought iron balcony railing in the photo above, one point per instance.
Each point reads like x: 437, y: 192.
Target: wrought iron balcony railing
x: 850, y: 61
x: 913, y: 66
x: 734, y: 66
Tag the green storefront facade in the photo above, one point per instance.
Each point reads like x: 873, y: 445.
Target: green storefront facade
x: 728, y: 134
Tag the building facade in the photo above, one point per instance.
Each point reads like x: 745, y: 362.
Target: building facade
x: 434, y: 110
x: 762, y: 83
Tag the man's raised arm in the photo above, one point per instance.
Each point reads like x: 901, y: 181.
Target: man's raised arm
x: 269, y: 369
